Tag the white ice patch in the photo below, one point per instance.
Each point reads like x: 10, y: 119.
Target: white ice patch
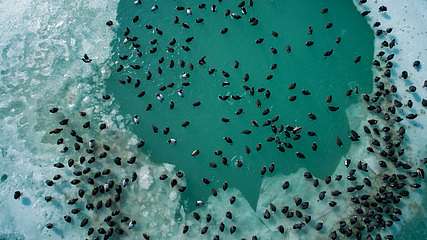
x: 407, y: 18
x: 41, y: 45
x: 145, y: 178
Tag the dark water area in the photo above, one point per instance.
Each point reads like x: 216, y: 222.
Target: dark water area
x: 315, y: 76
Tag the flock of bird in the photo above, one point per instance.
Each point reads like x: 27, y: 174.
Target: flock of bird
x: 96, y: 173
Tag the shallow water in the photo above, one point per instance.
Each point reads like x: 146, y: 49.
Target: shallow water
x: 305, y: 66
x: 42, y: 44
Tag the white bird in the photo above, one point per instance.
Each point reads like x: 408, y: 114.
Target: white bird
x: 180, y: 92
x: 92, y: 144
x: 131, y: 224
x: 347, y: 162
x: 159, y: 97
x: 135, y: 119
x: 125, y: 182
x: 185, y: 75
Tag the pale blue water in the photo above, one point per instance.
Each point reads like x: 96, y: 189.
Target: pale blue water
x: 42, y: 44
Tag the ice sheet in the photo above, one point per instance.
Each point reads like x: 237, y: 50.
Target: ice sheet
x: 37, y: 36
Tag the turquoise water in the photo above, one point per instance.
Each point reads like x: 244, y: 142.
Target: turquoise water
x: 304, y: 66
x: 41, y: 49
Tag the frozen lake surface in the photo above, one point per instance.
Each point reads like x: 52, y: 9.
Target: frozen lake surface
x: 275, y: 136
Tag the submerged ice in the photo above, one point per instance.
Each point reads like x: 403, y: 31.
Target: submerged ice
x: 42, y: 69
